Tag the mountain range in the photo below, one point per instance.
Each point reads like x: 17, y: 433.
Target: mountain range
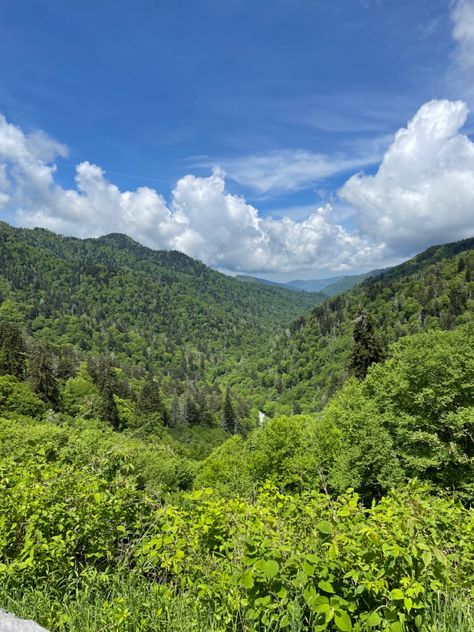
x: 330, y: 286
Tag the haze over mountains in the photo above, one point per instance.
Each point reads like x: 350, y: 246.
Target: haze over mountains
x: 329, y: 287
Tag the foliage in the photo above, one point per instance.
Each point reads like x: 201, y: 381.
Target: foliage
x: 341, y: 566
x: 128, y: 503
x: 366, y: 349
x: 81, y: 396
x: 307, y: 363
x: 412, y: 416
x: 12, y: 350
x: 17, y: 397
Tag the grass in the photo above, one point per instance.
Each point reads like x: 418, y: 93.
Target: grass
x: 453, y: 614
x: 127, y: 603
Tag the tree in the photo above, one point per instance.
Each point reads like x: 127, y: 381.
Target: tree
x: 42, y: 374
x: 17, y: 397
x: 192, y: 412
x: 366, y: 348
x: 108, y: 408
x: 149, y: 399
x: 80, y: 395
x: 12, y: 351
x: 229, y: 419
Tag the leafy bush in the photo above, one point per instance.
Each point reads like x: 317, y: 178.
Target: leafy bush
x: 288, y: 451
x: 58, y: 519
x: 17, y: 397
x: 340, y: 566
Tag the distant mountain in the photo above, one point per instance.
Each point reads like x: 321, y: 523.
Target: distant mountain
x: 330, y: 286
x: 312, y: 285
x: 257, y: 280
x: 344, y: 283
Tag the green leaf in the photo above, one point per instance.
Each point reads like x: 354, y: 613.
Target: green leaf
x: 325, y: 527
x: 397, y: 594
x: 312, y: 559
x: 426, y: 557
x: 342, y: 621
x: 408, y: 603
x: 326, y: 586
x: 321, y: 607
x: 373, y: 620
x: 270, y: 568
x: 247, y: 580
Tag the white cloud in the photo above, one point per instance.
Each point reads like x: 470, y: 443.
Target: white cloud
x: 423, y: 191
x: 201, y: 219
x: 462, y: 16
x: 292, y: 169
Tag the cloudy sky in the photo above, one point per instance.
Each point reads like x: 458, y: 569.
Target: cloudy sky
x: 284, y: 138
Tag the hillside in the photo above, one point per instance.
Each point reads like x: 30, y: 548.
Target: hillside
x: 302, y: 367
x: 137, y: 492
x: 147, y: 308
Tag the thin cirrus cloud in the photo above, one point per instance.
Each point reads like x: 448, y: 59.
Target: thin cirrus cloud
x: 422, y: 193
x: 290, y: 170
x: 462, y: 16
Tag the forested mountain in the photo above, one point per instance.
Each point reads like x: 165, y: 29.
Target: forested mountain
x: 303, y: 366
x: 140, y: 491
x: 147, y: 308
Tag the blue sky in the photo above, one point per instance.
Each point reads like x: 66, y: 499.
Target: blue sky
x: 289, y: 98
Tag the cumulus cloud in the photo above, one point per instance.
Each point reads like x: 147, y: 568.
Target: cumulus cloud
x: 201, y: 218
x: 423, y: 191
x: 421, y: 194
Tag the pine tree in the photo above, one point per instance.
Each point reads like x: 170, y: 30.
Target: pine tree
x: 12, y: 351
x: 42, y: 374
x: 192, y: 412
x: 229, y: 420
x: 175, y: 411
x: 366, y: 348
x: 149, y: 400
x: 108, y: 409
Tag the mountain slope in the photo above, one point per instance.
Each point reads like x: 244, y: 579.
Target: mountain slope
x: 344, y: 283
x: 301, y: 368
x: 146, y: 307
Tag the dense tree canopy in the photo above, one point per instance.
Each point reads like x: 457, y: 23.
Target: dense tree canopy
x: 149, y: 480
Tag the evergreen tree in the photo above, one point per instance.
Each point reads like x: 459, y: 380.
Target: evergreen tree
x: 366, y: 348
x: 108, y: 408
x: 12, y: 351
x: 149, y: 400
x: 175, y: 411
x: 43, y: 374
x: 192, y: 412
x: 229, y: 419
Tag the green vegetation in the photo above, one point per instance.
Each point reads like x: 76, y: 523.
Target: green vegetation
x: 308, y: 362
x: 139, y: 493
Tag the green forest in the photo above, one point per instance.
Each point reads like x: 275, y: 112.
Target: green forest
x: 185, y: 451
